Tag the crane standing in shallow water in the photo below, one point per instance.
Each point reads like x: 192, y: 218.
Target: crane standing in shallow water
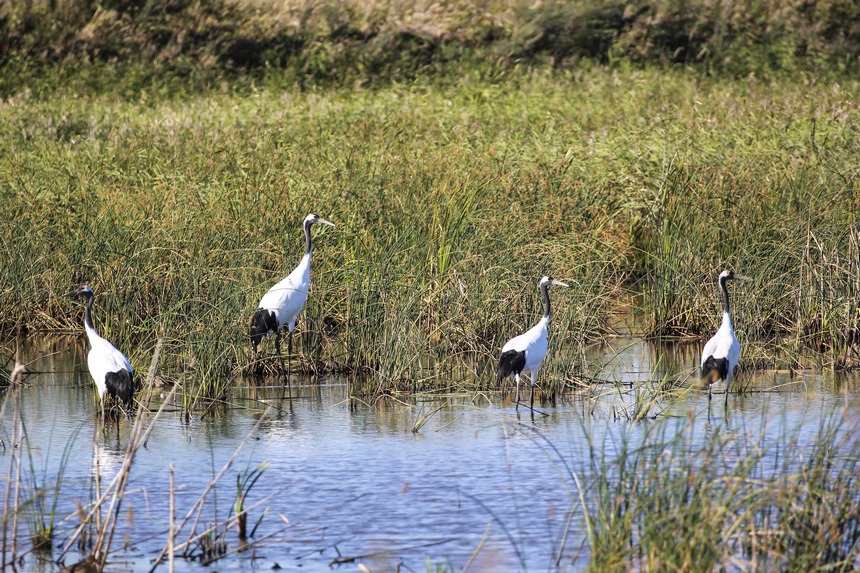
x: 110, y: 369
x: 723, y: 351
x: 282, y: 304
x: 524, y: 354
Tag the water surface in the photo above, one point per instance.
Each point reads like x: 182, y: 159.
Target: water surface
x: 350, y: 483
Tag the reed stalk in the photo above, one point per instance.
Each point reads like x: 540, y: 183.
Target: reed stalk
x: 634, y: 184
x: 669, y: 504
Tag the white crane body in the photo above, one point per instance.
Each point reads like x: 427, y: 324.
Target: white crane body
x: 722, y: 352
x: 282, y: 303
x: 533, y: 345
x: 524, y: 354
x: 104, y: 359
x: 287, y: 298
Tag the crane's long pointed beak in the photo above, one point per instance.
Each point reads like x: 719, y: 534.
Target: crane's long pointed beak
x: 72, y: 293
x: 559, y: 283
x: 742, y: 278
x: 321, y: 220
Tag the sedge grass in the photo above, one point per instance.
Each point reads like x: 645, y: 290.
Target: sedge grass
x: 667, y: 496
x: 450, y: 204
x: 170, y: 47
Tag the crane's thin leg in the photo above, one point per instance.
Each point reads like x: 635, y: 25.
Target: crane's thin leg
x: 532, y: 400
x: 517, y: 379
x: 281, y: 359
x: 278, y: 350
x: 727, y: 393
x: 290, y: 365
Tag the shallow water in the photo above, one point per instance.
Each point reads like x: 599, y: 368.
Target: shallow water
x: 352, y: 480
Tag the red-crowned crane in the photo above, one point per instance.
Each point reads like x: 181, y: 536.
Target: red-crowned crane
x: 722, y: 351
x: 524, y: 354
x: 110, y: 369
x: 282, y: 304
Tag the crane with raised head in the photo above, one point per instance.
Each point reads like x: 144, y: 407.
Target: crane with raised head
x: 281, y: 305
x: 723, y: 351
x: 110, y: 369
x: 525, y: 353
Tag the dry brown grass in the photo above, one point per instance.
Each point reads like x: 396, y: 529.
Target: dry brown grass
x: 348, y: 41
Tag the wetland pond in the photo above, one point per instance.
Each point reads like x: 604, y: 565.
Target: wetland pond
x: 350, y: 486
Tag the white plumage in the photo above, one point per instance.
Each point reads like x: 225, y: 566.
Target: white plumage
x: 525, y: 353
x: 287, y: 298
x: 103, y: 359
x: 723, y: 351
x: 281, y: 305
x: 110, y: 369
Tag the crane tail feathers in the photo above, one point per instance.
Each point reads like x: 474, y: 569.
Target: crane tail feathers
x: 510, y: 362
x: 121, y: 385
x: 714, y: 369
x: 262, y: 323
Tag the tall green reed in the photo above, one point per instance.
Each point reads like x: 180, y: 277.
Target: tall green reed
x: 803, y: 260
x: 674, y: 502
x: 450, y: 204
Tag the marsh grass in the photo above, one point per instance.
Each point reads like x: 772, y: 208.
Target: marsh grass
x: 668, y: 500
x: 450, y: 203
x: 245, y: 481
x: 803, y: 301
x: 183, y: 46
x: 792, y: 227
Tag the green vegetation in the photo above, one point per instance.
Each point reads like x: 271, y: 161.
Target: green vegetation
x: 166, y: 45
x: 674, y: 503
x: 167, y: 153
x: 450, y: 204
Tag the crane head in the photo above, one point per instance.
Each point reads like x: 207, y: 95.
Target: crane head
x: 311, y: 219
x: 83, y: 290
x: 730, y: 275
x: 547, y: 281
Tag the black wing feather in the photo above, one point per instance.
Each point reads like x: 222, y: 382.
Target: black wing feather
x: 715, y: 369
x: 510, y: 362
x: 121, y: 385
x: 262, y: 323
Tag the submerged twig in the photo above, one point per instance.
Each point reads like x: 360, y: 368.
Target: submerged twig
x: 353, y: 558
x: 198, y: 505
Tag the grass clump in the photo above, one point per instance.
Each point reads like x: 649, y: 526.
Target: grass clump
x: 671, y: 503
x: 132, y: 46
x: 450, y: 203
x: 792, y: 229
x: 181, y: 218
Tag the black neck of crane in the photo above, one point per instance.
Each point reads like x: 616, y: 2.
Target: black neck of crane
x: 308, y: 237
x: 88, y: 318
x: 725, y: 290
x: 546, y: 308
